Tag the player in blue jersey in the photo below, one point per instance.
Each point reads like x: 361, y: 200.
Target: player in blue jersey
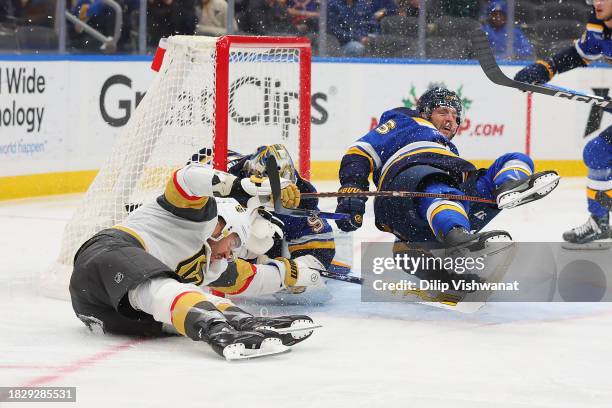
x: 412, y: 150
x: 595, y: 44
x: 308, y: 241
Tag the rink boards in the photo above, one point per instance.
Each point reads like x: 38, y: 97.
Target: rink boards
x: 60, y: 116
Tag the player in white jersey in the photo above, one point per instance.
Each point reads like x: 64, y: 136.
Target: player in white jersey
x: 140, y: 277
x: 283, y: 240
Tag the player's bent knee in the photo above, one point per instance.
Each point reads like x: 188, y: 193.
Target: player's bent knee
x: 517, y: 156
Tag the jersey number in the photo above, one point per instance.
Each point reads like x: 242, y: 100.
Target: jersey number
x: 386, y: 127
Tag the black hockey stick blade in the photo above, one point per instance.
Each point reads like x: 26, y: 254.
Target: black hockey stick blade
x: 344, y: 278
x: 275, y: 186
x: 484, y: 54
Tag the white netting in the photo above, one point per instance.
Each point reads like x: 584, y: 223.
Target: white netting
x: 175, y: 120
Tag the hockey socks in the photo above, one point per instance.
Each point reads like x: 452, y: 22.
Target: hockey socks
x: 512, y: 170
x: 444, y: 215
x: 190, y: 308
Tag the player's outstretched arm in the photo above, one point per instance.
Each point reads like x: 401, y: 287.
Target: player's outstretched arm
x: 544, y: 70
x: 585, y: 49
x: 196, y: 181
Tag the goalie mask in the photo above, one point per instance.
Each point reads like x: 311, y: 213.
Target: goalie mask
x: 256, y: 165
x: 437, y: 97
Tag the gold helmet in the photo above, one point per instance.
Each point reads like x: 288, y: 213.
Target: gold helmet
x: 256, y: 164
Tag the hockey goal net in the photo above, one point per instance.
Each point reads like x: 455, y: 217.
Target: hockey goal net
x: 210, y: 95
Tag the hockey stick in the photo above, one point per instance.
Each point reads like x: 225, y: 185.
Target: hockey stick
x: 484, y: 54
x: 344, y: 278
x: 275, y: 186
x: 411, y: 194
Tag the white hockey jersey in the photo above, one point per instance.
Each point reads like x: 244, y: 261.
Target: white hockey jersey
x: 174, y: 229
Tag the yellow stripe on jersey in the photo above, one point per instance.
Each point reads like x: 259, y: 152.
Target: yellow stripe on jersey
x: 437, y: 150
x: 176, y: 196
x: 598, y: 28
x: 245, y: 273
x: 549, y: 69
x: 313, y: 245
x: 132, y: 233
x: 521, y: 169
x: 359, y: 152
x: 181, y: 306
x: 592, y: 193
x: 443, y: 207
x: 342, y: 264
x: 424, y: 122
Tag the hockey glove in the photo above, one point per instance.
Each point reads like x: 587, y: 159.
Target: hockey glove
x: 265, y: 229
x: 255, y: 192
x: 537, y: 73
x: 300, y: 272
x: 354, y: 206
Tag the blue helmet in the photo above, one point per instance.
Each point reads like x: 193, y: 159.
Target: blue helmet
x: 436, y: 97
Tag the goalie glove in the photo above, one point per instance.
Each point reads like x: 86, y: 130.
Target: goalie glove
x: 254, y: 191
x: 299, y: 272
x: 260, y: 190
x: 265, y: 229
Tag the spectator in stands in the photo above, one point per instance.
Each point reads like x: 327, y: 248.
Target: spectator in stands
x: 266, y: 17
x: 213, y: 18
x: 460, y: 8
x: 411, y: 8
x: 170, y: 17
x: 408, y: 8
x: 99, y: 16
x: 348, y: 20
x: 381, y: 9
x: 495, y: 27
x: 304, y: 15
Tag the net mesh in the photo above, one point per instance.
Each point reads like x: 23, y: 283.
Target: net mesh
x: 175, y: 121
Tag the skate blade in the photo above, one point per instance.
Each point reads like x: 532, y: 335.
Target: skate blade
x: 269, y: 347
x: 589, y: 246
x: 544, y: 185
x: 299, y: 328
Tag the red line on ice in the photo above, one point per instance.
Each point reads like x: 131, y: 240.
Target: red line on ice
x: 78, y: 365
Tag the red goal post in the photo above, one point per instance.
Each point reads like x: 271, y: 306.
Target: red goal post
x: 223, y: 48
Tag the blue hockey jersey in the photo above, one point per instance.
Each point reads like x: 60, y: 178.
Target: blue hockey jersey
x: 402, y: 139
x: 595, y: 43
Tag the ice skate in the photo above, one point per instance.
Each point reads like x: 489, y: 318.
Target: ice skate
x: 291, y: 329
x: 595, y: 233
x: 238, y: 345
x: 518, y: 192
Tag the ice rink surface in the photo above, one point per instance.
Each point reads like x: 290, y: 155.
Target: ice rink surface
x: 366, y: 355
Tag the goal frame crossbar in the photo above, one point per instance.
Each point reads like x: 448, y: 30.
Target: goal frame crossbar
x: 223, y: 47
